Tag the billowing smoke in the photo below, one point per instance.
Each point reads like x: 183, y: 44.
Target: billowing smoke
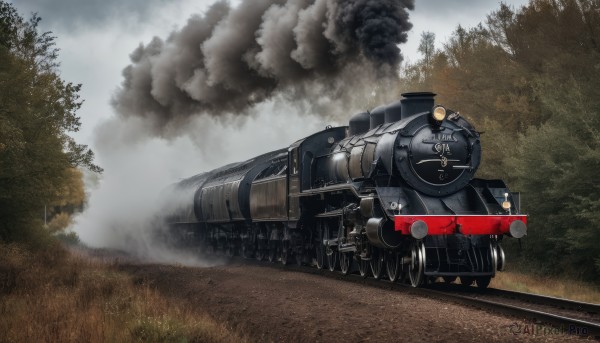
x: 326, y: 54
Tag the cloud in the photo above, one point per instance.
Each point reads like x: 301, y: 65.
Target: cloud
x: 70, y: 14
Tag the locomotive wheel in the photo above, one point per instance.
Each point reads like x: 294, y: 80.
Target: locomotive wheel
x: 363, y: 267
x: 272, y: 254
x: 229, y: 250
x: 260, y: 254
x: 483, y: 281
x: 245, y: 251
x: 466, y: 280
x: 345, y: 262
x: 494, y: 256
x: 320, y: 250
x: 416, y: 267
x: 320, y: 256
x: 376, y: 263
x: 392, y: 264
x: 501, y: 258
x: 299, y: 256
x: 285, y: 254
x: 332, y: 259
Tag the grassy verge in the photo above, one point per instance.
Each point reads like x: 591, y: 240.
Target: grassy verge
x: 557, y: 287
x: 53, y: 296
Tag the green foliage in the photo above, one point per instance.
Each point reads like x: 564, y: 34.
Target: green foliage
x: 530, y: 80
x: 557, y: 165
x: 37, y: 111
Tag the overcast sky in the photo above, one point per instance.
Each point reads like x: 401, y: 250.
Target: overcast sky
x: 97, y: 36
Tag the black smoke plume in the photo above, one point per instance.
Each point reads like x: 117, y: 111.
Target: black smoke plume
x: 314, y: 52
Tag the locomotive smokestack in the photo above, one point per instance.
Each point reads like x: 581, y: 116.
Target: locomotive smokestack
x: 416, y: 102
x: 413, y: 103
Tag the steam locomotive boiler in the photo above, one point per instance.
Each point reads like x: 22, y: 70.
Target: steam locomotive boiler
x: 391, y: 194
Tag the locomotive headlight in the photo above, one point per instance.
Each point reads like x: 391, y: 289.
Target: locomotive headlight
x: 439, y: 113
x: 506, y: 205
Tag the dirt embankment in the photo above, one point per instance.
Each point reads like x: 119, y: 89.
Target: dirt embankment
x: 271, y: 304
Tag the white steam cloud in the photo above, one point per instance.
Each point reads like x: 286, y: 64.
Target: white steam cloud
x: 233, y: 83
x: 124, y: 209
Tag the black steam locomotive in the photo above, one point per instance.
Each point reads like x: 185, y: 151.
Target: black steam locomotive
x: 391, y: 194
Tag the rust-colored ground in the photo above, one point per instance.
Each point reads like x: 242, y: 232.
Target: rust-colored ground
x: 275, y: 305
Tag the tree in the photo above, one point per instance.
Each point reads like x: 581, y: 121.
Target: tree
x: 37, y: 111
x: 427, y: 49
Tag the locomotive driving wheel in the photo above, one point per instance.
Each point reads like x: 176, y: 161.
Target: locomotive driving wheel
x: 245, y: 252
x: 392, y: 264
x: 299, y: 256
x: 320, y: 256
x: 229, y: 249
x: 260, y: 254
x: 346, y: 262
x: 285, y: 254
x: 363, y: 267
x: 320, y: 248
x: 376, y: 263
x: 272, y: 253
x: 332, y: 259
x: 330, y: 253
x: 416, y: 267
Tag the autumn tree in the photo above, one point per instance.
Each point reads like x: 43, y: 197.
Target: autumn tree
x: 37, y: 111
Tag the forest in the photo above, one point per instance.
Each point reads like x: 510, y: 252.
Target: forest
x: 528, y: 77
x: 39, y: 161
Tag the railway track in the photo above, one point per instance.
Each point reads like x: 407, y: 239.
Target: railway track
x: 545, y: 314
x: 575, y: 309
x: 536, y: 314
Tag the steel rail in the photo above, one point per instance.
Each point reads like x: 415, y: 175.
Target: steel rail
x: 565, y: 324
x: 531, y: 298
x: 547, y: 300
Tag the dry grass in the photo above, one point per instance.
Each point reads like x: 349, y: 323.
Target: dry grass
x: 569, y: 289
x: 57, y: 297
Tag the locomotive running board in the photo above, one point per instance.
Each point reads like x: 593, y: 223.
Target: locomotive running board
x: 464, y: 224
